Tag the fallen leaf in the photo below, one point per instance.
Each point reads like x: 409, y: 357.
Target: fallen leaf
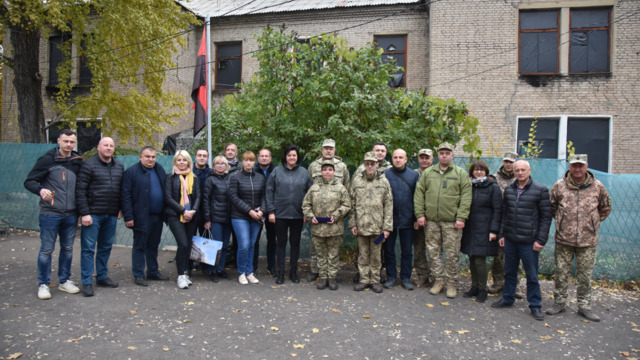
x: 154, y: 308
x: 75, y: 340
x: 444, y: 303
x: 15, y: 356
x: 638, y: 330
x: 472, y: 319
x: 375, y: 326
x: 633, y: 324
x: 291, y: 298
x: 6, y: 304
x: 274, y: 328
x: 132, y: 348
x: 544, y: 337
x: 186, y: 321
x: 399, y: 324
x: 335, y: 310
x: 293, y: 355
x: 238, y: 310
x: 165, y: 349
x: 430, y: 305
x: 141, y: 323
x: 298, y: 346
x: 546, y: 325
x: 274, y: 287
x: 585, y: 321
x: 516, y: 341
x: 315, y: 330
x: 561, y: 331
x: 463, y: 331
x: 624, y: 353
x: 447, y: 331
x: 189, y: 302
x: 244, y: 301
x: 132, y: 312
x: 366, y: 316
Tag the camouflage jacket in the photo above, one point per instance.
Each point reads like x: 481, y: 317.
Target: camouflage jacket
x: 503, y: 179
x: 384, y: 165
x: 371, y: 203
x: 443, y: 197
x: 341, y: 171
x: 578, y: 210
x: 327, y: 198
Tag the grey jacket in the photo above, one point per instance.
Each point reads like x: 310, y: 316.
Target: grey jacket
x: 286, y: 189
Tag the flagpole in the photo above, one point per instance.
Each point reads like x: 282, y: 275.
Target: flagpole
x: 207, y: 20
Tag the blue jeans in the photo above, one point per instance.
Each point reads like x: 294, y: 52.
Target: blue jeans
x: 513, y: 253
x: 247, y: 233
x: 221, y: 232
x: 101, y: 233
x: 50, y: 227
x: 406, y: 253
x: 145, y: 248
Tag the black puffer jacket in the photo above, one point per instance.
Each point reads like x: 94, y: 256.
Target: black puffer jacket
x: 526, y: 219
x: 98, y: 187
x: 285, y: 191
x: 246, y: 192
x: 172, y: 196
x: 484, y: 218
x: 215, y: 199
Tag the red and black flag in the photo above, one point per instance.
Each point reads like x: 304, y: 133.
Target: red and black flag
x: 199, y: 88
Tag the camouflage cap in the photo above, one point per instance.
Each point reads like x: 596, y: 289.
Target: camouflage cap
x: 329, y: 142
x: 510, y: 156
x: 578, y: 159
x: 445, y: 145
x: 427, y: 152
x: 370, y: 156
x: 328, y: 162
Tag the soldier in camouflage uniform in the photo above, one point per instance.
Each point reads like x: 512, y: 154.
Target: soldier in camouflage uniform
x: 579, y: 203
x: 420, y: 263
x: 315, y: 173
x: 329, y: 198
x: 446, y: 189
x: 504, y: 177
x: 380, y: 151
x: 371, y: 216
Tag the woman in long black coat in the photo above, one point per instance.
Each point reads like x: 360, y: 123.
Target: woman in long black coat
x: 479, y: 238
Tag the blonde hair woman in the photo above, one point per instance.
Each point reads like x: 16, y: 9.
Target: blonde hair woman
x: 182, y: 198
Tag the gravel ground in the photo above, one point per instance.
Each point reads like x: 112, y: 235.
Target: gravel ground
x: 265, y: 321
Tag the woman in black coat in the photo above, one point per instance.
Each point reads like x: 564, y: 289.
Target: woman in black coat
x: 479, y: 237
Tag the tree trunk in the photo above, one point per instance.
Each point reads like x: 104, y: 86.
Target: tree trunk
x: 27, y: 82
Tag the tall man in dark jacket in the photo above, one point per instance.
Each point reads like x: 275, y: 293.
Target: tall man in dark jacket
x: 201, y: 170
x: 98, y: 201
x: 403, y: 184
x: 526, y: 217
x: 53, y: 178
x: 264, y: 167
x: 142, y: 207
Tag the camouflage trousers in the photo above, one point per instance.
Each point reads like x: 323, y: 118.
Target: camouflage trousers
x: 313, y: 258
x: 497, y: 269
x: 328, y: 250
x: 420, y: 262
x: 369, y: 259
x: 442, y: 235
x: 585, y: 260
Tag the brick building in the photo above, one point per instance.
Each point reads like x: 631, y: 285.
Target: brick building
x: 572, y: 64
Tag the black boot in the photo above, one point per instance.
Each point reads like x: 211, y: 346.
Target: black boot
x: 471, y: 293
x: 280, y: 279
x: 293, y: 275
x: 482, y: 296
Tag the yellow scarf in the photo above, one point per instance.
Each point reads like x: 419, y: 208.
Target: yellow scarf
x: 184, y: 193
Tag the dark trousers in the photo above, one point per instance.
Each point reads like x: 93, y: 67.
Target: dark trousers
x: 513, y: 253
x: 406, y: 253
x: 145, y: 248
x: 288, y: 230
x: 271, y: 246
x: 183, y: 233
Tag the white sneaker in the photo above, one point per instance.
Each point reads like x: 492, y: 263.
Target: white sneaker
x: 182, y: 282
x: 252, y: 279
x: 69, y: 287
x: 43, y: 292
x: 189, y: 282
x: 243, y: 280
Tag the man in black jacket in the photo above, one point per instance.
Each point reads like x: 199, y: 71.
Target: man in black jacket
x: 142, y: 208
x: 526, y: 217
x: 98, y: 202
x: 53, y: 178
x: 264, y: 166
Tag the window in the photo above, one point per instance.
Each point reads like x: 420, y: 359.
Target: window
x: 228, y: 66
x: 565, y: 41
x: 85, y: 75
x: 394, y: 49
x: 589, y: 50
x: 56, y: 56
x: 589, y: 134
x: 539, y: 42
x: 87, y: 132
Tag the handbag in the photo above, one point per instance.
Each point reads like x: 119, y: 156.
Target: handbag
x: 205, y: 249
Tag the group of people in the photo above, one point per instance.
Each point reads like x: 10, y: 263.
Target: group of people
x: 435, y: 212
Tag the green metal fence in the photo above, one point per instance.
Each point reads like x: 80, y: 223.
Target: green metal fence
x: 618, y: 248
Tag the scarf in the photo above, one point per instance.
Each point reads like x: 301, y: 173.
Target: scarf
x: 186, y: 187
x: 478, y: 180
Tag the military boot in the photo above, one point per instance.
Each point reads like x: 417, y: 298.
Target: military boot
x: 322, y: 284
x: 312, y: 277
x: 333, y: 285
x: 437, y: 287
x: 452, y: 292
x: 589, y: 315
x: 556, y: 309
